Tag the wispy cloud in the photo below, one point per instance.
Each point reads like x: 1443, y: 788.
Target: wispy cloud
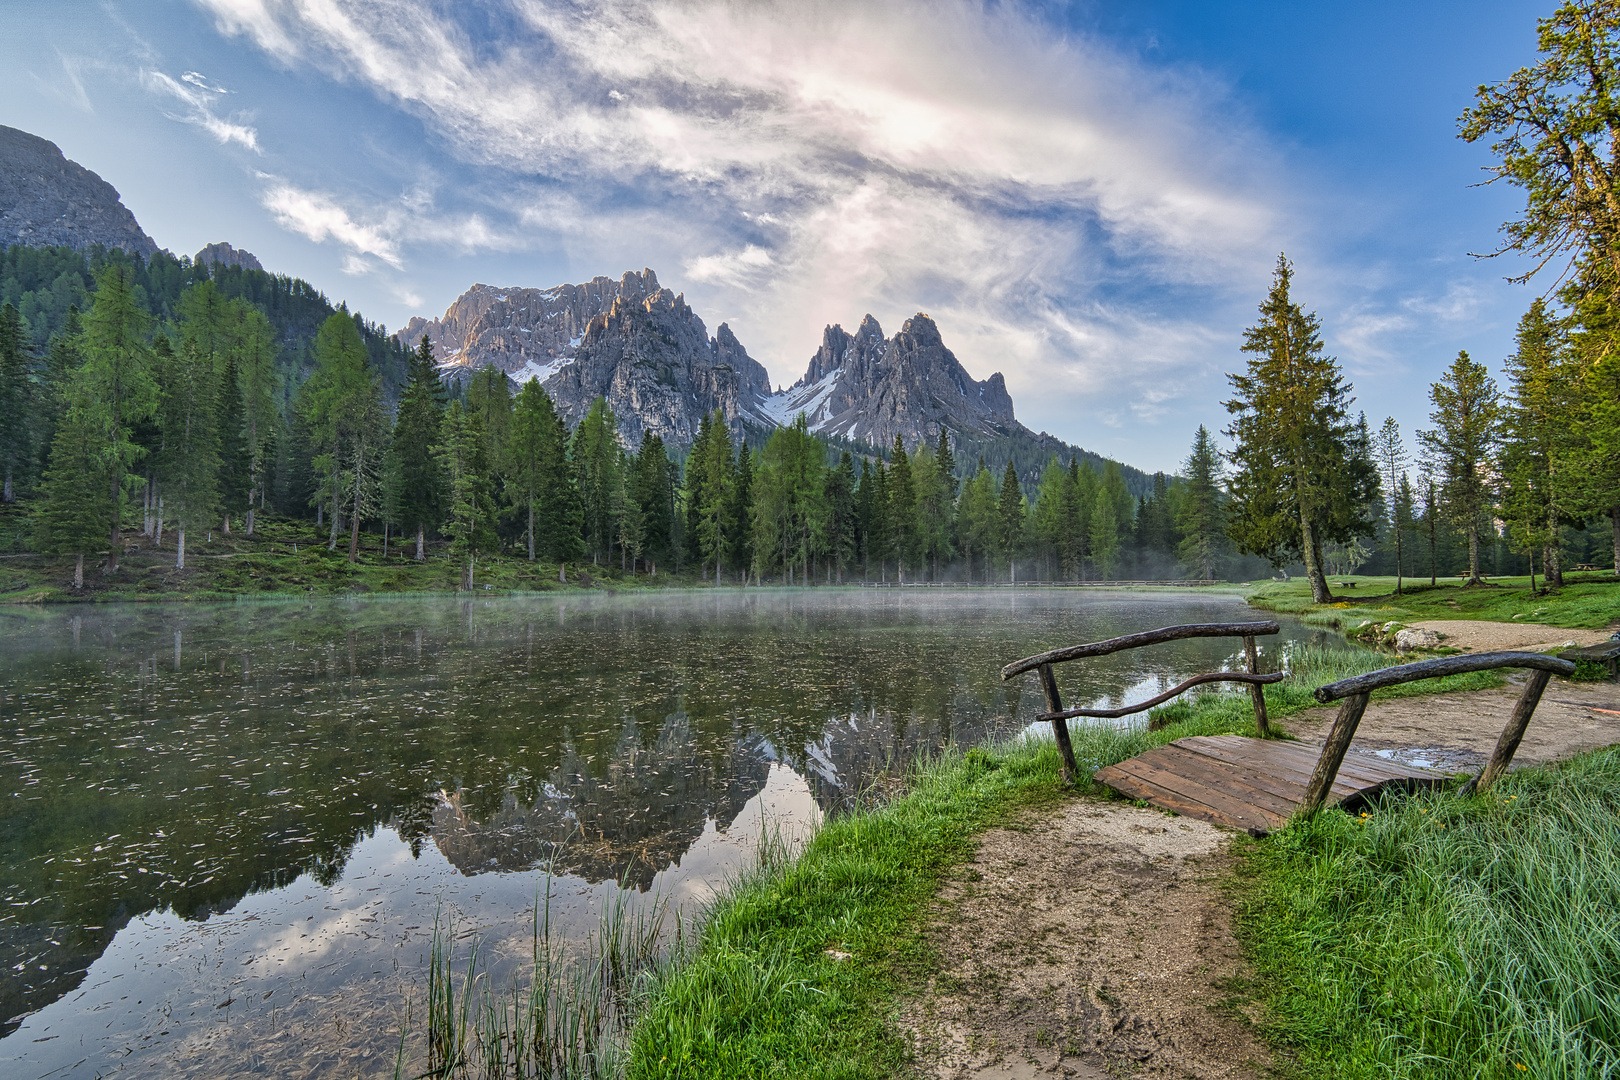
x: 805, y: 162
x: 321, y: 218
x: 198, y: 95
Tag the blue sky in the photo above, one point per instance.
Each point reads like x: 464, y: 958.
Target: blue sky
x: 1087, y: 197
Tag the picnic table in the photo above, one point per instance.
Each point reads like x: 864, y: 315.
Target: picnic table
x: 1604, y: 652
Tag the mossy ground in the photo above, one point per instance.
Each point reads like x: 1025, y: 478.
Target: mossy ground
x: 282, y: 557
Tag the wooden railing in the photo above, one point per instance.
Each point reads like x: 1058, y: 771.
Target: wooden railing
x: 1354, y: 694
x: 1059, y: 716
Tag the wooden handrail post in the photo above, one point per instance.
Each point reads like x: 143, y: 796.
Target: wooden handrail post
x: 1333, y: 751
x: 1512, y: 735
x: 1060, y: 726
x: 1262, y: 726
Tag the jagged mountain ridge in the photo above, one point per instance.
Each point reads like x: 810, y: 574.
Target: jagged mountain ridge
x: 631, y: 341
x: 47, y: 200
x: 643, y: 349
x: 868, y: 388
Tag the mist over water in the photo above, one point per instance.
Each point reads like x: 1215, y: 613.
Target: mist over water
x: 228, y: 830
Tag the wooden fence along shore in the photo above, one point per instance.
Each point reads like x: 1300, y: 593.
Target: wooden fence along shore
x: 1258, y: 784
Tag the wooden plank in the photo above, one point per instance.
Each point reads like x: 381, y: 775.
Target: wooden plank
x: 1273, y: 797
x: 1297, y: 772
x: 1357, y: 764
x: 1192, y: 790
x: 1133, y: 787
x: 1285, y: 785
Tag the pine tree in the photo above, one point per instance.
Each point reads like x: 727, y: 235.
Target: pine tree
x: 258, y: 381
x: 597, y: 460
x: 71, y: 516
x: 740, y: 513
x: 1202, y: 514
x: 1298, y: 481
x: 1389, y: 454
x: 15, y: 451
x: 463, y: 454
x: 188, y: 462
x: 655, y: 495
x: 1462, y: 444
x: 902, y: 509
x: 235, y: 455
x: 419, y: 494
x: 1539, y: 443
x: 1009, y: 523
x: 841, y: 513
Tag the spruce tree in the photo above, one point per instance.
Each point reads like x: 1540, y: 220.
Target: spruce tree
x: 1462, y: 444
x: 71, y: 515
x: 1298, y: 481
x: 1202, y: 513
x: 14, y: 402
x: 1009, y: 522
x: 840, y: 502
x: 463, y: 455
x: 1389, y: 454
x: 419, y: 496
x: 902, y: 509
x: 598, y: 460
x: 235, y: 455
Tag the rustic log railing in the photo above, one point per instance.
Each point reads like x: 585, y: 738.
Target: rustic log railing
x: 1059, y: 716
x: 1354, y: 693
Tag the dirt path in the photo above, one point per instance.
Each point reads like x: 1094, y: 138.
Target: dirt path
x: 1478, y: 636
x: 1094, y: 940
x: 1089, y: 942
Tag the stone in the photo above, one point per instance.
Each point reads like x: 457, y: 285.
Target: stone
x: 1415, y: 637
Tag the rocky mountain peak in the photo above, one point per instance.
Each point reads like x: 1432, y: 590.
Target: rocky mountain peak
x: 47, y: 200
x: 223, y: 254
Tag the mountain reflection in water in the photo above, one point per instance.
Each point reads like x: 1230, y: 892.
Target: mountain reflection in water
x: 176, y: 773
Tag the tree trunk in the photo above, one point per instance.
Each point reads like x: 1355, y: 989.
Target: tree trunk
x: 78, y: 571
x: 562, y: 573
x: 180, y: 547
x: 1473, y: 552
x: 1552, y: 565
x: 157, y: 524
x: 1312, y: 550
x: 421, y: 555
x: 385, y: 540
x: 250, y: 517
x: 469, y: 573
x: 225, y: 525
x: 354, y: 536
x: 531, y: 530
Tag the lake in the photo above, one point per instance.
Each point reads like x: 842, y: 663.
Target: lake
x: 229, y: 830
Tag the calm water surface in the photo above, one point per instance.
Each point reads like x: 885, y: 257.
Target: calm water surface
x: 227, y: 831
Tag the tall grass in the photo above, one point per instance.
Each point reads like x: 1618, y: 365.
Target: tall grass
x: 1447, y: 937
x: 568, y: 1020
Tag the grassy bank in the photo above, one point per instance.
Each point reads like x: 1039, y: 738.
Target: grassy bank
x: 799, y: 968
x: 1588, y: 600
x: 281, y: 558
x: 1446, y: 937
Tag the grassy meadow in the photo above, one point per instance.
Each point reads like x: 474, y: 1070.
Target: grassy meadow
x: 1588, y: 600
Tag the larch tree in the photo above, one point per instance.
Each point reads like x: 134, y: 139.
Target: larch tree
x: 1298, y: 480
x: 115, y: 389
x: 188, y: 459
x: 1463, y: 444
x: 598, y: 464
x: 532, y: 443
x: 342, y: 405
x: 976, y: 519
x: 463, y: 453
x: 71, y: 516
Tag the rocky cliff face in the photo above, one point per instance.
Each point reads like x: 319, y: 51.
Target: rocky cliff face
x: 630, y: 341
x: 223, y: 254
x: 47, y: 200
x: 866, y: 387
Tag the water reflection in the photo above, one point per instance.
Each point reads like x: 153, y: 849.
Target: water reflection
x: 179, y: 775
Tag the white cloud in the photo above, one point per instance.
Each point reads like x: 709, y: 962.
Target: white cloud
x: 806, y: 162
x: 320, y: 218
x: 198, y: 96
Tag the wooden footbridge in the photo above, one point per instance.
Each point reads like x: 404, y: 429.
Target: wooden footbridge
x: 1258, y: 784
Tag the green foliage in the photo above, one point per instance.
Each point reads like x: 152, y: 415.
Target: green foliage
x: 463, y: 456
x: 1462, y: 445
x: 790, y: 501
x: 1203, y: 512
x: 418, y: 482
x: 599, y: 475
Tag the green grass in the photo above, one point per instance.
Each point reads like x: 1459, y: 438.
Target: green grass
x: 1446, y: 937
x: 282, y: 558
x: 1588, y: 600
